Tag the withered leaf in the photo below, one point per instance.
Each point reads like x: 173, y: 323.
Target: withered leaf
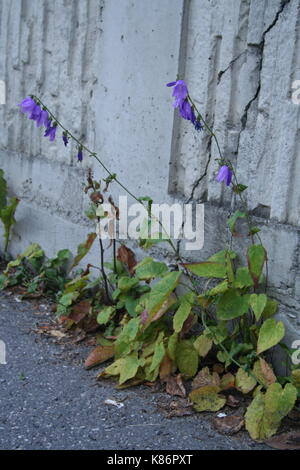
x: 227, y: 381
x: 79, y: 311
x: 229, y: 424
x: 166, y: 367
x: 286, y: 441
x: 204, y: 378
x: 175, y: 386
x: 232, y: 401
x: 127, y: 257
x: 98, y: 355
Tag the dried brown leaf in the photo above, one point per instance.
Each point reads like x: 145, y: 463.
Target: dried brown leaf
x: 175, y: 386
x: 98, y: 355
x: 127, y: 257
x: 287, y: 441
x: 204, y: 378
x: 229, y: 424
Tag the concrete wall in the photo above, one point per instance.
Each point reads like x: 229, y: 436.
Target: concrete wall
x: 102, y: 65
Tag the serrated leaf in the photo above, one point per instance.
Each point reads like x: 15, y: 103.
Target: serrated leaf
x: 207, y: 398
x: 187, y: 358
x: 203, y: 345
x: 220, y: 256
x: 243, y: 278
x: 232, y: 304
x: 160, y: 293
x: 149, y: 269
x: 130, y: 366
x: 244, y: 382
x: 256, y: 255
x: 159, y: 353
x: 270, y: 334
x: 126, y: 283
x: 105, y: 315
x: 218, y: 289
x: 270, y: 309
x: 182, y: 313
x: 258, y: 302
x: 172, y: 345
x: 264, y: 372
x: 264, y: 415
x: 207, y: 269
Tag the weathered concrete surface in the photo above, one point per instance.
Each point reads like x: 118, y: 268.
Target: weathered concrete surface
x: 102, y: 65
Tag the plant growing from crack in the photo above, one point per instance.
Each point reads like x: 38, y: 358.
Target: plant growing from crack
x: 152, y: 332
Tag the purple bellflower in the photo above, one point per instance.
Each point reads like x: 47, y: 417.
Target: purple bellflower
x: 51, y: 131
x: 225, y: 174
x: 80, y: 154
x: 65, y: 139
x: 181, y: 102
x: 27, y: 105
x: 180, y: 92
x: 34, y: 112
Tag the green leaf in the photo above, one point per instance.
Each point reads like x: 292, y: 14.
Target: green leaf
x: 130, y: 366
x: 264, y: 414
x: 220, y: 256
x: 270, y: 309
x: 270, y: 334
x: 244, y: 382
x: 3, y: 190
x: 65, y: 301
x: 187, y: 358
x: 126, y: 283
x: 207, y: 269
x: 172, y: 345
x: 186, y: 304
x: 257, y: 303
x: 256, y: 256
x: 207, y: 398
x: 159, y: 353
x: 233, y: 219
x: 160, y: 293
x: 7, y: 215
x: 218, y: 289
x: 124, y: 342
x: 149, y: 269
x: 243, y: 278
x: 83, y: 249
x: 239, y: 188
x: 254, y: 230
x: 203, y: 345
x: 105, y: 315
x: 232, y: 305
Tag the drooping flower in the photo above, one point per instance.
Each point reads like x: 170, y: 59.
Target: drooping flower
x: 42, y: 119
x: 187, y: 112
x: 224, y: 174
x: 65, y: 138
x: 80, y: 154
x: 180, y: 92
x: 198, y: 125
x: 27, y: 105
x: 51, y: 131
